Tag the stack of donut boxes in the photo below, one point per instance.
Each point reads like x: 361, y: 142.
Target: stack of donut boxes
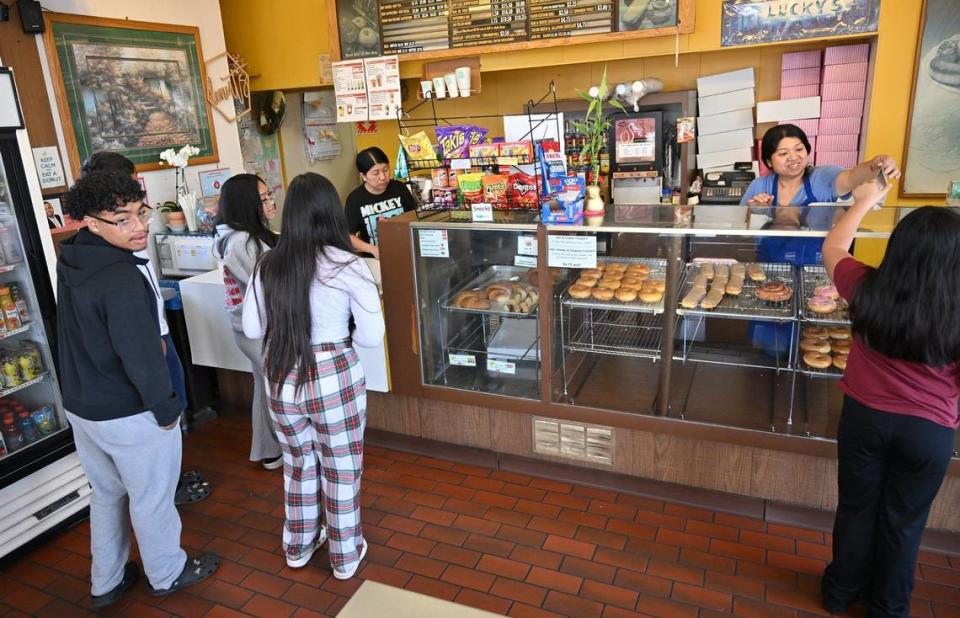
x: 837, y: 78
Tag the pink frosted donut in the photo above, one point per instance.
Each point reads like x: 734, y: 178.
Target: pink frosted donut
x: 826, y: 291
x: 818, y: 304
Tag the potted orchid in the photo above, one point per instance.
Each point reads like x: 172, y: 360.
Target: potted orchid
x: 186, y: 201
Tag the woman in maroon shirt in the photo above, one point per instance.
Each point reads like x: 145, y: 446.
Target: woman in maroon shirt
x: 899, y: 416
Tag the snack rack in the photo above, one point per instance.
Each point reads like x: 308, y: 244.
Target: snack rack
x: 406, y: 122
x: 469, y: 337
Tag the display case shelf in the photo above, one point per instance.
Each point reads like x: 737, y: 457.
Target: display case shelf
x: 658, y: 270
x: 12, y: 333
x: 810, y: 278
x: 618, y: 333
x: 493, y: 274
x: 9, y: 391
x: 746, y: 306
x: 8, y: 268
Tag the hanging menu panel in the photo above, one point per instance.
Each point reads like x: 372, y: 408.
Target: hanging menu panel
x: 558, y: 18
x: 410, y: 26
x: 485, y: 22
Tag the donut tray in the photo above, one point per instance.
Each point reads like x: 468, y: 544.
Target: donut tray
x: 658, y: 270
x: 617, y: 333
x: 746, y: 306
x: 811, y: 277
x: 516, y: 274
x: 807, y: 370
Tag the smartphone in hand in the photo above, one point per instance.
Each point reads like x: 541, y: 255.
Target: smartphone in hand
x: 881, y: 180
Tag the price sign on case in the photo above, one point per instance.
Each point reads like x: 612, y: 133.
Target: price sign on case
x: 568, y: 251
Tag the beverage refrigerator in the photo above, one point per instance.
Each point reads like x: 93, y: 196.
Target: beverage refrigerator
x: 42, y: 485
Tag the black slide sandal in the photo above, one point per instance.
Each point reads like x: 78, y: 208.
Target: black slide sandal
x: 191, y: 476
x: 192, y: 491
x: 194, y: 571
x: 131, y: 573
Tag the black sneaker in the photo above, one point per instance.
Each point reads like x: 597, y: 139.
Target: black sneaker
x: 131, y: 573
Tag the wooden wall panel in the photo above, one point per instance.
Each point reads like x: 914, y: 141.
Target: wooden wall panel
x: 447, y: 422
x: 19, y: 50
x: 394, y: 413
x: 710, y: 465
x: 945, y: 513
x: 788, y: 477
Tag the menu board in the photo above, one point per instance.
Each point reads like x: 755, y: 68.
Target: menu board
x: 414, y: 25
x: 484, y: 22
x: 550, y: 19
x: 383, y: 87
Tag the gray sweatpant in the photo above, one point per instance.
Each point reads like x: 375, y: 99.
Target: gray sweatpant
x: 133, y: 466
x: 263, y: 443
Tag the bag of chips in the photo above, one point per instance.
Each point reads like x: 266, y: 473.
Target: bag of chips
x: 455, y: 141
x: 484, y: 153
x: 419, y: 148
x: 444, y: 198
x: 523, y: 190
x: 440, y: 178
x: 471, y: 185
x: 495, y: 189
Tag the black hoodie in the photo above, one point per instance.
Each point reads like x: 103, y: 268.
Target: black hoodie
x: 111, y: 362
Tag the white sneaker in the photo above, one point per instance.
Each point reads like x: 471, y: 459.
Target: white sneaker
x: 356, y: 565
x: 272, y: 463
x: 305, y: 558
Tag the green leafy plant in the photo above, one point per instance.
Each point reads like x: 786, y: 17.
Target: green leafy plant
x: 595, y: 126
x: 170, y: 207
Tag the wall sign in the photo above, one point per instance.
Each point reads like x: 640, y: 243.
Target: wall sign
x: 748, y: 22
x: 235, y: 86
x: 49, y: 168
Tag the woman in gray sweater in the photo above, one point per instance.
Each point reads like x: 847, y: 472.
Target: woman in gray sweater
x: 243, y: 235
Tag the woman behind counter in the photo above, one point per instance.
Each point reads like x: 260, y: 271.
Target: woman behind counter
x: 243, y: 235
x: 379, y: 197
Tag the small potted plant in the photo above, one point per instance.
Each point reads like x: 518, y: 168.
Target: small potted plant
x: 594, y: 127
x: 176, y: 220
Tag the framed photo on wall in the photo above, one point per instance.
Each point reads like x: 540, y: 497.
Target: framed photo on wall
x: 931, y: 157
x: 136, y: 88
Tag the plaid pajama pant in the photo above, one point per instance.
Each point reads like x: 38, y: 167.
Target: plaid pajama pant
x: 323, y: 421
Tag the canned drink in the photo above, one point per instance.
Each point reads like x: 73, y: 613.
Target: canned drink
x: 10, y: 370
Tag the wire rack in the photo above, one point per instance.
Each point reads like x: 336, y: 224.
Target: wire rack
x: 747, y: 306
x: 515, y: 274
x: 658, y: 270
x: 811, y: 277
x: 615, y: 332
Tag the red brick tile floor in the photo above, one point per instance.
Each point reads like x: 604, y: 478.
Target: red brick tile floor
x: 508, y: 543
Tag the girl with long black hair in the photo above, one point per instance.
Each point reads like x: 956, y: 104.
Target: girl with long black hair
x: 897, y: 427
x: 243, y: 236
x: 300, y: 301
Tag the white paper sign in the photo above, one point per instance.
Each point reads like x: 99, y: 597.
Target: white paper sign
x: 433, y: 243
x: 482, y: 212
x: 527, y: 245
x: 499, y: 366
x: 460, y: 164
x: 463, y: 360
x: 350, y: 88
x: 49, y: 168
x: 567, y: 251
x: 525, y: 261
x: 383, y: 86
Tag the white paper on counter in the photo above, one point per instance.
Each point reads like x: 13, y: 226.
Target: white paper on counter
x: 566, y: 251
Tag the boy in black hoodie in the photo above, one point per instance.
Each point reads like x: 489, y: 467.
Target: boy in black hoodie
x: 117, y: 392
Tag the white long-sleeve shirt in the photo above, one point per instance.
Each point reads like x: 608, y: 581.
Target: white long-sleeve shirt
x: 336, y: 293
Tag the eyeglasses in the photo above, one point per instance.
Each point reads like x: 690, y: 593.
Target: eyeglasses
x: 266, y: 197
x: 127, y: 225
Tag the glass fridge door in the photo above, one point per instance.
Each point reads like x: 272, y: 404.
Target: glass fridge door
x: 31, y: 410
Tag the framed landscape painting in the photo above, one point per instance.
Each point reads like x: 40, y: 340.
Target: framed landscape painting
x: 136, y: 88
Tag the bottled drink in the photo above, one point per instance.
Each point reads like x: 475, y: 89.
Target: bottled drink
x: 27, y: 427
x: 10, y: 370
x: 10, y: 244
x: 25, y: 363
x: 20, y: 302
x: 11, y: 432
x: 29, y: 347
x: 10, y: 314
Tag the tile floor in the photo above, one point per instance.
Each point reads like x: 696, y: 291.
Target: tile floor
x: 505, y: 542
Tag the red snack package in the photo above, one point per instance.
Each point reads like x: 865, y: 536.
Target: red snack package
x: 523, y: 190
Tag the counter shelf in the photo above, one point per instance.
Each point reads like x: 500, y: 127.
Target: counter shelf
x: 658, y: 270
x: 810, y: 278
x: 746, y: 306
x: 512, y: 274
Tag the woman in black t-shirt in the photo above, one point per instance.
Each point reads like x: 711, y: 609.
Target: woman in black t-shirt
x: 379, y: 197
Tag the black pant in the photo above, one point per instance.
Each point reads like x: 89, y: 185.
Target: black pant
x: 890, y: 469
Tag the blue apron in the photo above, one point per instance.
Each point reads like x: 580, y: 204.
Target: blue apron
x: 775, y: 338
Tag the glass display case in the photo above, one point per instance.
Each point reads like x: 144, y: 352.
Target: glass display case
x: 479, y: 305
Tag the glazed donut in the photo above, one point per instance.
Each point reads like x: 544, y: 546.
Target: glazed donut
x: 476, y: 303
x: 840, y: 361
x: 591, y: 272
x: 840, y: 346
x: 815, y: 332
x: 587, y: 281
x: 707, y: 270
x: 613, y: 274
x: 755, y: 273
x: 826, y: 291
x: 610, y: 284
x: 815, y: 345
x: 738, y: 270
x: 817, y: 360
x: 839, y: 332
x: 632, y: 281
x: 821, y: 304
x: 616, y: 267
x: 650, y: 296
x: 601, y: 293
x: 626, y: 295
x: 659, y: 284
x: 638, y: 268
x: 693, y: 297
x: 774, y: 291
x: 579, y: 291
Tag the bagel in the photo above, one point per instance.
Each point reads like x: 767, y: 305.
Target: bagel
x: 817, y: 360
x: 650, y: 296
x: 626, y: 295
x: 579, y: 291
x: 815, y: 345
x: 816, y: 332
x: 839, y: 332
x: 840, y: 361
x: 601, y: 293
x: 587, y: 281
x: 840, y: 346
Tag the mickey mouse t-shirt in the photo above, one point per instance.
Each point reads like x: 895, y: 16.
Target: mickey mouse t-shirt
x: 364, y: 209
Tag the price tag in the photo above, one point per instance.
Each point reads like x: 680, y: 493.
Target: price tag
x: 567, y: 251
x: 433, y: 243
x: 463, y: 360
x: 525, y: 260
x: 482, y: 212
x: 460, y: 164
x: 499, y: 366
x: 527, y: 245
x: 508, y: 161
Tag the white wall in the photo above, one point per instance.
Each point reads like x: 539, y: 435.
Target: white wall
x: 205, y: 15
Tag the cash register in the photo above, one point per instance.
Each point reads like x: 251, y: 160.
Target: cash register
x: 726, y: 187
